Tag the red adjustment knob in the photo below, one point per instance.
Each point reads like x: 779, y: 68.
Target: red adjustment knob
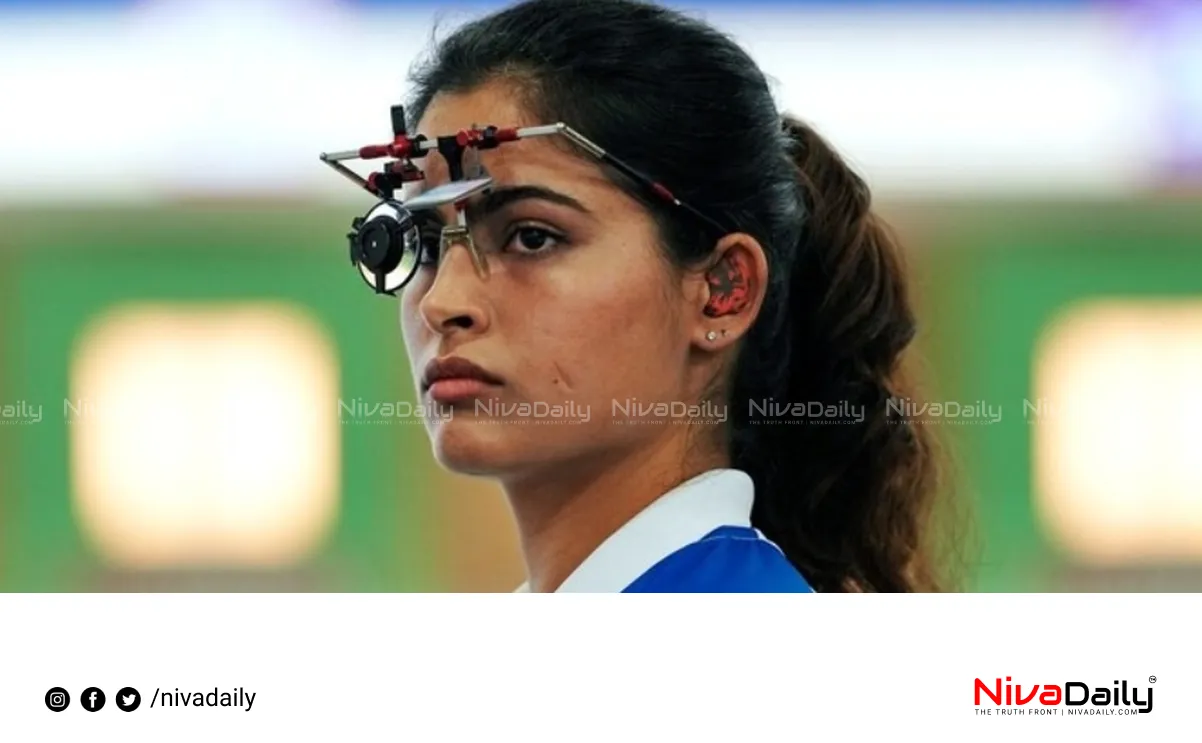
x: 663, y: 192
x: 401, y: 147
x: 374, y: 150
x: 467, y: 137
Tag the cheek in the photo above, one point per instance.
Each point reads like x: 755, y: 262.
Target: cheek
x: 612, y: 332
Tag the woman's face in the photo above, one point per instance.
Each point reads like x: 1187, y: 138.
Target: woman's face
x: 578, y: 311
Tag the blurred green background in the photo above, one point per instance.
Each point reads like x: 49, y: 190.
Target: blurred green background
x: 990, y: 279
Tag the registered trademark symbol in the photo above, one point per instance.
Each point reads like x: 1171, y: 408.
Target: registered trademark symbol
x: 1151, y: 679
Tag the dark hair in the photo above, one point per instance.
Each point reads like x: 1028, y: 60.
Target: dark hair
x: 849, y: 504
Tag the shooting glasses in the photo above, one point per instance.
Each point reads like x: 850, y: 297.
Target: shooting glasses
x: 386, y: 242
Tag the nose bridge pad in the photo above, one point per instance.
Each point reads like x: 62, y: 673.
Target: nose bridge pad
x: 455, y: 235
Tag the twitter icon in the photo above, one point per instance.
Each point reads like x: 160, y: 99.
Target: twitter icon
x: 128, y: 699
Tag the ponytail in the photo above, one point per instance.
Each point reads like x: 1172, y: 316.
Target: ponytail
x: 849, y: 501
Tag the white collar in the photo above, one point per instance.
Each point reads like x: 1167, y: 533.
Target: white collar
x: 683, y: 515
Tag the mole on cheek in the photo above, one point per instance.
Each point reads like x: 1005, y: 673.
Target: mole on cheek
x: 561, y: 380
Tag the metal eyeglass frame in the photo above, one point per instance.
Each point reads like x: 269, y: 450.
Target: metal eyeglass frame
x: 373, y: 247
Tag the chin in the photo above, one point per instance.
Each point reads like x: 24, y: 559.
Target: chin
x: 470, y: 447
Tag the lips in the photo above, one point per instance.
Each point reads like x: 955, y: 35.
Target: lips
x: 458, y: 369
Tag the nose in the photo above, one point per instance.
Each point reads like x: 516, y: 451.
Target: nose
x: 455, y: 301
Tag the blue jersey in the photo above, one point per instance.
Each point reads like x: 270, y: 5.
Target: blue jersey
x: 730, y: 559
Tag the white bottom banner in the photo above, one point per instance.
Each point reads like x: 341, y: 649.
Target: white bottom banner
x: 345, y: 667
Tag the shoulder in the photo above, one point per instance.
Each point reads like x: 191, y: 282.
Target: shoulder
x: 727, y: 560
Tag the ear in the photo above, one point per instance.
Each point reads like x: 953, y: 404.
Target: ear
x: 736, y: 281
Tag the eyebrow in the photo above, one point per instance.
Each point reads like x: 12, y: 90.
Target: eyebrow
x: 499, y: 197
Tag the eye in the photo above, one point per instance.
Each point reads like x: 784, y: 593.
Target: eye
x: 531, y: 240
x: 431, y: 244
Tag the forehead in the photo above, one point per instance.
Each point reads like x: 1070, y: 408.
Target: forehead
x: 548, y: 161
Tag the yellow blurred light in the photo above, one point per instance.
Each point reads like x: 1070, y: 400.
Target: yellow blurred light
x: 204, y: 435
x: 1118, y: 431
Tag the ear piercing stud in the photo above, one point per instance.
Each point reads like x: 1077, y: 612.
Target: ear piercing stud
x: 713, y: 335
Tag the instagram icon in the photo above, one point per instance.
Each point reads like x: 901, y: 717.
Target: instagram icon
x: 57, y: 699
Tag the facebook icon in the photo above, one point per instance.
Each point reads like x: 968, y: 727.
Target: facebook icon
x: 92, y: 699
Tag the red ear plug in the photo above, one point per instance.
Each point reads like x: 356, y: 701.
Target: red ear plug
x: 730, y: 289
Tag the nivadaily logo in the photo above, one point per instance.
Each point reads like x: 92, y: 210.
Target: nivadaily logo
x: 1072, y: 698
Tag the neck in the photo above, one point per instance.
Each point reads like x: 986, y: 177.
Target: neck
x: 566, y: 510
